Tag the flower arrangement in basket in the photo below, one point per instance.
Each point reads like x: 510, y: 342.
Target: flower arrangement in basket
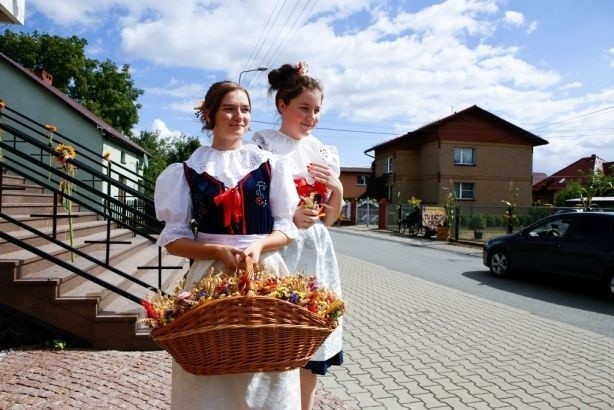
x: 243, y: 323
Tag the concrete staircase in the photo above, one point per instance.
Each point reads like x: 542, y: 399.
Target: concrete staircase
x: 37, y: 287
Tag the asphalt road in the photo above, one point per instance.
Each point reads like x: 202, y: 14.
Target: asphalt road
x: 567, y: 301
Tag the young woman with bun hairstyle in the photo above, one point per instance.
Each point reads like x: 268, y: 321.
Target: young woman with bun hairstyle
x: 315, y: 170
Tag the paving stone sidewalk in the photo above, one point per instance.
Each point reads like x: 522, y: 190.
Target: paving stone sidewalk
x: 408, y: 344
x: 86, y: 379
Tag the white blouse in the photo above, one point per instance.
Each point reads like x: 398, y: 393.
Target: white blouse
x: 312, y: 251
x: 300, y: 152
x: 172, y: 192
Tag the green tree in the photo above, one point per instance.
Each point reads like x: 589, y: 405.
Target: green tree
x: 180, y: 148
x: 587, y: 187
x: 111, y: 95
x: 100, y: 86
x: 156, y: 157
x: 163, y: 152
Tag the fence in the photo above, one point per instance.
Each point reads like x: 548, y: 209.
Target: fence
x: 493, y: 219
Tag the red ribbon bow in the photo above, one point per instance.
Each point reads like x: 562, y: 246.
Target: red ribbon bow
x: 304, y: 189
x: 232, y: 203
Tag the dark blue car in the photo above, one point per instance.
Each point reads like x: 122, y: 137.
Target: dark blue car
x: 577, y: 244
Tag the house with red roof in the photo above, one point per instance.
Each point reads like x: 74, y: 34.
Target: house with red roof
x: 476, y: 153
x: 545, y: 190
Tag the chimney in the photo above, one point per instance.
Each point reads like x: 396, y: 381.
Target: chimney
x: 45, y: 76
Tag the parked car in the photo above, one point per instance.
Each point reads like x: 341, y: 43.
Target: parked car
x: 577, y: 244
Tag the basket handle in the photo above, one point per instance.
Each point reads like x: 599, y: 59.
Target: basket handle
x: 246, y: 281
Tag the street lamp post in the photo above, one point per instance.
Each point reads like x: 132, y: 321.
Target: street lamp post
x: 261, y: 68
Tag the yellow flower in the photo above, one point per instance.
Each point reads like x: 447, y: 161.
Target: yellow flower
x: 67, y: 152
x: 51, y: 128
x: 106, y: 155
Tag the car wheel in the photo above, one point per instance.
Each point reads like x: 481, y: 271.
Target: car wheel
x: 499, y: 263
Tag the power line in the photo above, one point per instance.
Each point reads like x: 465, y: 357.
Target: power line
x: 337, y: 129
x: 294, y: 29
x: 257, y: 46
x: 268, y: 30
x: 577, y: 117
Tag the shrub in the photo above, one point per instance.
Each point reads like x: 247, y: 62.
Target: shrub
x: 477, y: 222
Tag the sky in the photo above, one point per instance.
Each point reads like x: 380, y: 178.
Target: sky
x: 387, y: 67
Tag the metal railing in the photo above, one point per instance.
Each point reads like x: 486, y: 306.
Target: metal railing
x: 28, y: 155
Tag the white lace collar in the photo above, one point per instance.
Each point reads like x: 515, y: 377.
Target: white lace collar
x: 276, y: 142
x: 227, y: 166
x: 302, y: 152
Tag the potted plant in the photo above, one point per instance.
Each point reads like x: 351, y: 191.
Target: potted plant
x: 477, y: 222
x: 450, y: 207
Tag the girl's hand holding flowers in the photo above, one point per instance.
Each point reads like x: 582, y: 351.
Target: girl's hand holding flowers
x: 323, y: 174
x: 305, y: 217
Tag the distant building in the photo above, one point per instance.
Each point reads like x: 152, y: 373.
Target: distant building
x: 32, y: 95
x: 545, y: 190
x: 354, y: 181
x: 538, y: 176
x: 475, y: 152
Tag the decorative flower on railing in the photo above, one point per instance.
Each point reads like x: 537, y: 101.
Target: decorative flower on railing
x: 51, y: 129
x: 64, y: 154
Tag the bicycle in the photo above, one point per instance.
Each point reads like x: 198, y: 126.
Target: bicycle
x: 412, y: 223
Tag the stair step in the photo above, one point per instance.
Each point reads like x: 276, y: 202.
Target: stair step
x: 37, y: 287
x: 45, y: 221
x: 32, y: 264
x: 121, y: 258
x: 31, y: 208
x: 20, y: 187
x: 12, y: 196
x: 16, y: 182
x: 112, y: 302
x: 80, y: 229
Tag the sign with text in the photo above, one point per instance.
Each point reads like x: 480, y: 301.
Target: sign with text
x: 433, y: 216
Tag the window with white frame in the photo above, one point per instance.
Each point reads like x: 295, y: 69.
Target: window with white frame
x: 464, y: 156
x: 464, y: 190
x: 361, y: 179
x: 389, y: 165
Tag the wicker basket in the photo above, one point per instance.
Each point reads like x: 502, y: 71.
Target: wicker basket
x: 243, y: 334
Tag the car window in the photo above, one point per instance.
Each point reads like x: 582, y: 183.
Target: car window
x: 594, y: 226
x: 553, y: 228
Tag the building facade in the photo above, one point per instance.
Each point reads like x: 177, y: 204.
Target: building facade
x: 354, y: 181
x: 473, y: 152
x: 32, y: 96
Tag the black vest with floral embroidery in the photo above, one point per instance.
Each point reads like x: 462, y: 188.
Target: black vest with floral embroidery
x: 241, y: 210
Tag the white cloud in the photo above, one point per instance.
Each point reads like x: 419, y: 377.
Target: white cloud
x: 532, y: 27
x: 572, y: 85
x: 383, y: 65
x: 163, y: 132
x: 514, y: 18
